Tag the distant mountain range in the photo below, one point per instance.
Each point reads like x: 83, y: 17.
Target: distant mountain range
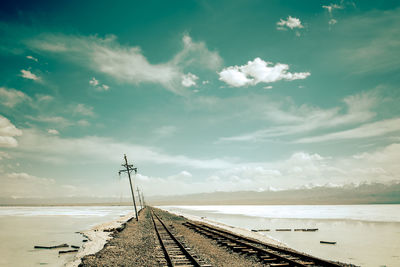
x: 350, y: 194
x: 362, y: 194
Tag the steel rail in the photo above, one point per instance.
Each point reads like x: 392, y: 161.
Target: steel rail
x: 283, y: 250
x: 167, y: 257
x: 299, y: 260
x: 179, y: 244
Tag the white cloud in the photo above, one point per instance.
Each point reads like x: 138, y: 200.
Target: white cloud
x: 373, y: 129
x: 101, y: 87
x: 299, y: 170
x: 82, y: 109
x: 290, y: 23
x: 98, y: 149
x: 44, y: 98
x: 27, y: 74
x: 7, y: 133
x: 60, y: 121
x: 32, y: 58
x: 332, y: 21
x: 11, y: 97
x: 128, y: 64
x: 196, y: 54
x: 297, y: 120
x: 189, y: 79
x: 53, y: 131
x: 21, y: 184
x: 332, y: 7
x: 94, y: 82
x: 258, y: 71
x: 234, y: 77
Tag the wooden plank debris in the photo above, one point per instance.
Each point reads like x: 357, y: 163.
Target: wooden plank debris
x: 52, y: 247
x: 328, y: 242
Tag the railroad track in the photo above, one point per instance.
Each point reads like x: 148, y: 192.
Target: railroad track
x: 175, y: 253
x: 268, y: 254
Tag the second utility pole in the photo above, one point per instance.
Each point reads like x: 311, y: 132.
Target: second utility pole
x: 140, y: 200
x: 129, y: 169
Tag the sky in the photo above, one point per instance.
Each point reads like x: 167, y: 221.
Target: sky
x: 201, y: 96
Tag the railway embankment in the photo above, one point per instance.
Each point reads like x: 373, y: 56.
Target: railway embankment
x: 160, y: 238
x: 138, y: 245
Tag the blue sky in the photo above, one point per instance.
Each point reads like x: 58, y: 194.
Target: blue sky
x: 200, y: 95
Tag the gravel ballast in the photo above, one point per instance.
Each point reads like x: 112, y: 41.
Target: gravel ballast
x: 137, y: 245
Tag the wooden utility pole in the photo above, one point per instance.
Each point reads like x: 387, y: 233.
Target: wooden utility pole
x: 140, y: 199
x: 129, y: 169
x: 143, y: 200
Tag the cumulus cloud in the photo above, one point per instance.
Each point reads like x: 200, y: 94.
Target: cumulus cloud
x: 290, y: 23
x: 259, y: 71
x: 128, y: 64
x: 8, y: 131
x: 12, y: 97
x: 189, y: 79
x: 27, y: 74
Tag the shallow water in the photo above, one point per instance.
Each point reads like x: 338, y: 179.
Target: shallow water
x: 366, y: 235
x: 21, y: 228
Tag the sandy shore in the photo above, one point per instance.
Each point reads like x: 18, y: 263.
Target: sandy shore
x: 97, y: 237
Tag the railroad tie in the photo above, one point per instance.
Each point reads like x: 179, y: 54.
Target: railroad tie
x: 238, y: 248
x: 249, y: 251
x: 269, y: 260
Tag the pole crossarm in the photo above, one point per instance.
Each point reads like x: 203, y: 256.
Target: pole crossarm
x: 129, y: 168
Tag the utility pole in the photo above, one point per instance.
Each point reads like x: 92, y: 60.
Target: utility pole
x: 143, y: 200
x: 140, y: 199
x: 129, y: 169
